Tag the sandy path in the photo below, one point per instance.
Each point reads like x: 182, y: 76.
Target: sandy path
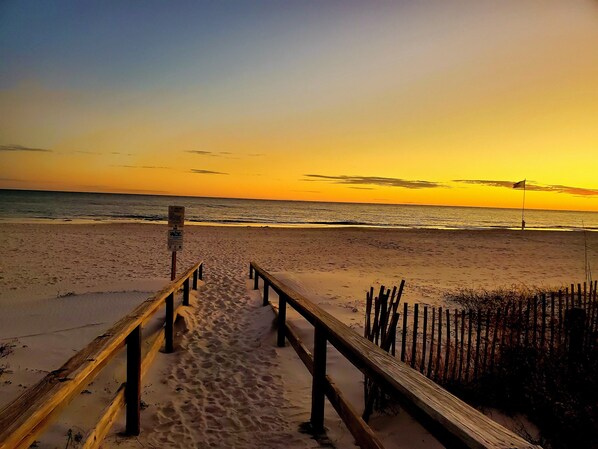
x: 224, y: 382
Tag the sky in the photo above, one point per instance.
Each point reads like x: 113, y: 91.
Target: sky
x: 429, y: 102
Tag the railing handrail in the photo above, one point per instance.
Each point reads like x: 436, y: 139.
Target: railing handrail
x: 29, y: 413
x: 446, y: 416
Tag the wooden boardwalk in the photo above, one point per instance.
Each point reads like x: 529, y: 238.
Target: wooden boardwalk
x: 220, y: 374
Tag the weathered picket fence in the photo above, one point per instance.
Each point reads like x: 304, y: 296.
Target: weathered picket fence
x: 459, y: 346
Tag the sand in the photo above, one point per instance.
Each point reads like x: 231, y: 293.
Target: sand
x: 228, y: 385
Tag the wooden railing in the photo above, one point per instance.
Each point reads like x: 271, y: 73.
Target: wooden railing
x: 450, y: 420
x: 26, y: 417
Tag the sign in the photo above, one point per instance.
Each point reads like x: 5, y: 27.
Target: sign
x: 175, y: 240
x: 176, y: 220
x: 176, y: 216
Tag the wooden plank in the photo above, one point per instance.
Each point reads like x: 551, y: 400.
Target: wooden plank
x: 552, y: 312
x: 454, y: 372
x: 23, y: 418
x: 404, y: 336
x: 415, y: 329
x: 169, y: 324
x: 495, y: 337
x: 438, y: 346
x: 266, y: 299
x: 486, y: 341
x: 447, y: 417
x: 98, y: 433
x: 432, y: 335
x: 424, y: 340
x: 110, y: 413
x: 447, y: 345
x: 476, y: 360
x: 282, y: 318
x: 186, y: 292
x: 368, y: 313
x: 133, y: 385
x: 469, y: 334
x: 318, y: 390
x: 462, y: 347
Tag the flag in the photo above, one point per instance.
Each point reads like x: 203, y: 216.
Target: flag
x: 519, y: 184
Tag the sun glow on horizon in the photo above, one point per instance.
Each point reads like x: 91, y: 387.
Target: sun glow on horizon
x: 398, y: 103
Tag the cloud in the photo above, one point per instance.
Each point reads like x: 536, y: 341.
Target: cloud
x: 555, y: 188
x: 86, y: 152
x: 202, y: 153
x: 206, y: 172
x: 13, y: 180
x: 151, y: 167
x: 22, y: 148
x: 374, y: 180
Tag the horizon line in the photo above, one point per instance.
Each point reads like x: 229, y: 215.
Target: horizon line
x: 291, y: 200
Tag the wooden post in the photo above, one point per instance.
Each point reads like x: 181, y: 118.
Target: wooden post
x: 195, y: 274
x: 266, y: 292
x: 527, y: 325
x: 200, y: 275
x: 469, y: 333
x: 424, y: 342
x: 447, y: 344
x: 543, y: 328
x: 439, y: 345
x: 519, y: 324
x: 173, y: 266
x: 282, y: 318
x: 318, y: 389
x: 535, y: 334
x: 415, y: 325
x: 552, y: 322
x: 454, y: 372
x: 186, y: 292
x: 486, y: 342
x: 560, y: 328
x: 431, y: 357
x: 133, y: 385
x: 476, y: 361
x: 574, y: 323
x: 462, y: 346
x: 495, y: 337
x: 169, y: 325
x: 404, y: 336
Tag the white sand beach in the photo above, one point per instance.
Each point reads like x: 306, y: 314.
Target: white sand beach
x: 228, y: 385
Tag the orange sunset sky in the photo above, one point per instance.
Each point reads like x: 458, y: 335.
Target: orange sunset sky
x: 434, y: 102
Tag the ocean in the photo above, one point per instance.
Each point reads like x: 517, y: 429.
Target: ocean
x: 35, y: 206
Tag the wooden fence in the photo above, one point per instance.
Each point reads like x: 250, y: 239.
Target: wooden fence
x: 449, y: 419
x: 459, y: 346
x: 25, y: 418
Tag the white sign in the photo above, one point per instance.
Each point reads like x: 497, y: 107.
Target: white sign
x: 175, y: 239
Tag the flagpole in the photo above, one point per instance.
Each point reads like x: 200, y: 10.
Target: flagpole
x: 523, y: 206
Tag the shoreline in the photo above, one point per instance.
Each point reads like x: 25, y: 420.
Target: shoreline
x: 90, y: 221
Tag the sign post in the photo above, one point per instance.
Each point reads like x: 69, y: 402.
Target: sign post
x: 176, y: 220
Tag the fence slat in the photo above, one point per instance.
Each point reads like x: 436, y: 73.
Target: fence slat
x: 424, y: 340
x: 414, y: 346
x: 431, y: 358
